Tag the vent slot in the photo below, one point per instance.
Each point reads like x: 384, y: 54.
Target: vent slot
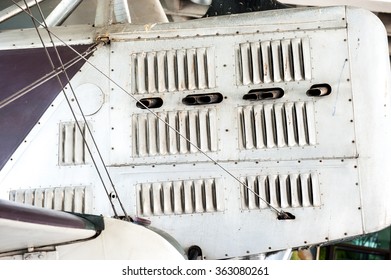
x: 173, y: 70
x: 274, y: 61
x: 280, y: 191
x: 72, y: 149
x: 179, y: 197
x: 150, y: 103
x: 319, y: 90
x: 264, y: 94
x: 202, y: 99
x: 71, y: 199
x: 277, y: 125
x: 152, y: 136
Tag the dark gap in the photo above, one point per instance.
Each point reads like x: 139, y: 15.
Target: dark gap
x: 278, y: 191
x: 177, y: 135
x: 146, y: 85
x: 151, y: 200
x: 294, y: 123
x: 161, y: 192
x: 63, y: 143
x: 156, y: 72
x: 270, y: 62
x: 187, y: 121
x: 214, y: 195
x: 203, y: 99
x: 281, y: 60
x: 285, y: 124
x: 261, y: 72
x: 264, y: 131
x: 158, y: 136
x: 240, y: 63
x: 84, y: 140
x: 172, y: 198
x: 299, y: 191
x: 193, y: 197
x: 319, y: 90
x: 264, y: 94
x: 250, y: 64
x: 246, y: 193
x: 274, y: 125
x: 196, y: 72
x: 198, y: 129
x: 310, y: 190
x: 140, y: 193
x: 182, y: 191
x: 74, y: 131
x: 292, y: 66
x: 150, y: 103
x: 256, y: 190
x: 156, y: 142
x: 136, y: 138
x: 289, y: 190
x: 186, y: 70
x: 209, y: 132
x: 305, y: 121
x: 203, y: 195
x: 253, y: 128
x: 285, y: 216
x: 267, y: 190
x: 165, y: 71
x: 147, y: 139
x: 206, y: 69
x: 301, y: 59
x: 243, y: 126
x: 176, y: 70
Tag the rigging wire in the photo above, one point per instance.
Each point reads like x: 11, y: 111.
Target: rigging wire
x: 81, y: 111
x: 280, y: 213
x: 70, y: 106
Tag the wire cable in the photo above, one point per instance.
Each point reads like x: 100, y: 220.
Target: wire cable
x: 82, y: 113
x: 70, y: 106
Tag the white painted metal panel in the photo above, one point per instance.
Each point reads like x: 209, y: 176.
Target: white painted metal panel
x: 301, y: 153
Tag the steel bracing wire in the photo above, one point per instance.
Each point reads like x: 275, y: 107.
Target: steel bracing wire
x: 280, y: 213
x: 73, y: 113
x: 85, y: 121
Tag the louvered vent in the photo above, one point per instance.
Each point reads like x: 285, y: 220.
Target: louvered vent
x: 274, y: 61
x: 281, y: 191
x: 71, y: 144
x: 152, y: 136
x: 277, y: 125
x: 173, y: 70
x: 180, y: 197
x: 72, y: 199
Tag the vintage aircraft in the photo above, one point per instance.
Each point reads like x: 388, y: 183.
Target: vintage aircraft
x: 238, y: 135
